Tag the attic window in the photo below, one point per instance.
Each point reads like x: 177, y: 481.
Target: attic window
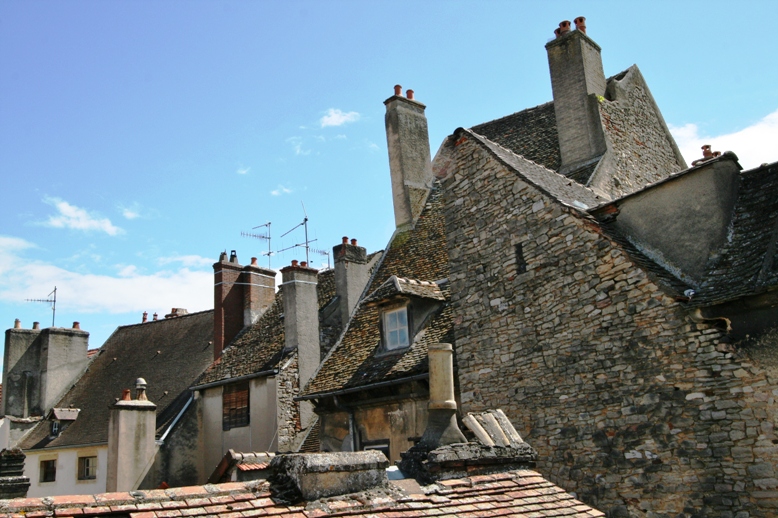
x: 521, y: 263
x: 396, y: 328
x: 55, y: 428
x: 235, y: 405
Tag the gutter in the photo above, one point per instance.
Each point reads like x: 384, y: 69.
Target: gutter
x: 363, y: 387
x: 161, y: 440
x: 271, y: 372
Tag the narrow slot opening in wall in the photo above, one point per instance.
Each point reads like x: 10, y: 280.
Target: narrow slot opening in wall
x: 521, y: 264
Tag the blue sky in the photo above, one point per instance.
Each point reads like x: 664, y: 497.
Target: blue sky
x: 139, y: 139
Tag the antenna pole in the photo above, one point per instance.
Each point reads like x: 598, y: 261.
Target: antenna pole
x: 54, y: 306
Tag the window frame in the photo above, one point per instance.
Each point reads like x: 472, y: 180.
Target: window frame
x: 47, y: 467
x: 236, y: 405
x: 386, y: 330
x: 83, y: 469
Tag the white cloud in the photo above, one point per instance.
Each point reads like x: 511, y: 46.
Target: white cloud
x: 297, y: 145
x: 754, y: 145
x: 336, y: 117
x: 187, y: 260
x: 128, y: 291
x: 77, y: 218
x: 280, y: 190
x: 340, y: 137
x: 243, y: 170
x: 372, y: 146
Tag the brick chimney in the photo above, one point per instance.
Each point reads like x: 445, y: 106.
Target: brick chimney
x: 131, y: 444
x: 39, y: 366
x: 301, y: 324
x: 240, y: 296
x: 351, y: 275
x: 408, y: 143
x: 577, y: 79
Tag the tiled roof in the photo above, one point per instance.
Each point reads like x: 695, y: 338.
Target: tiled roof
x: 747, y: 264
x: 168, y: 353
x: 530, y: 133
x: 520, y: 493
x: 419, y: 253
x: 556, y: 185
x: 401, y: 286
x: 259, y: 348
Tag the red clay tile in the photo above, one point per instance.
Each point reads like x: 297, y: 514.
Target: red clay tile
x: 68, y: 511
x: 144, y: 514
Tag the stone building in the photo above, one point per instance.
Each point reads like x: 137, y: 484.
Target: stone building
x: 67, y: 440
x: 620, y: 313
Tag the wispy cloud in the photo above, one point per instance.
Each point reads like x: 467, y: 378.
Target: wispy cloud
x: 128, y: 290
x: 754, y: 145
x: 76, y: 218
x: 280, y: 190
x: 340, y: 137
x: 187, y: 260
x: 336, y: 117
x: 297, y: 145
x: 132, y: 211
x: 243, y: 170
x: 372, y: 146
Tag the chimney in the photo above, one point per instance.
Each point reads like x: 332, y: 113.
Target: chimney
x: 39, y: 366
x: 155, y: 317
x: 301, y: 325
x: 577, y: 80
x: 259, y: 291
x: 351, y: 275
x: 145, y: 317
x: 227, y: 302
x: 442, y: 427
x: 13, y: 483
x: 408, y: 143
x: 131, y: 441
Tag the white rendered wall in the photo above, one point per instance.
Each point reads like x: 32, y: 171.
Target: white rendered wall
x: 67, y: 482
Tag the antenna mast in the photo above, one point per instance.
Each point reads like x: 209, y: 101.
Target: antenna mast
x: 262, y: 236
x: 51, y: 300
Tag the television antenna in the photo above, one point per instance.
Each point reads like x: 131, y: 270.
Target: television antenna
x: 266, y: 237
x: 307, y: 243
x: 51, y: 300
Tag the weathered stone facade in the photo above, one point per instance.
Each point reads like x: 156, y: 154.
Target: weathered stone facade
x: 629, y: 403
x: 287, y: 409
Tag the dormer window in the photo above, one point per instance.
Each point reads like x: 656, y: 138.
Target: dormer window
x: 396, y: 328
x: 55, y: 428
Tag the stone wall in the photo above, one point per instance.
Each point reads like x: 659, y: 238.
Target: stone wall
x: 630, y: 404
x: 642, y: 151
x: 288, y: 410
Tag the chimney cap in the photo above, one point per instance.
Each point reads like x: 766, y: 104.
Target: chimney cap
x: 398, y: 90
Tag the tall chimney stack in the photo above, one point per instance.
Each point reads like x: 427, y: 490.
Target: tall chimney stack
x: 408, y: 143
x: 442, y: 427
x: 351, y: 275
x: 259, y: 291
x: 577, y: 80
x: 227, y: 302
x: 301, y: 325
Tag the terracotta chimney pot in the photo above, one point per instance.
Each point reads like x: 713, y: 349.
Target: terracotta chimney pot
x: 145, y: 317
x: 557, y: 32
x: 564, y: 27
x: 17, y: 324
x: 398, y: 90
x: 580, y: 24
x: 126, y: 395
x: 36, y: 325
x: 76, y: 325
x: 294, y: 262
x: 304, y: 264
x: 156, y: 316
x: 354, y: 242
x: 409, y: 94
x: 253, y: 261
x: 345, y: 240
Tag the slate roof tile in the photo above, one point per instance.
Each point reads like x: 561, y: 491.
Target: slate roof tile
x: 419, y: 254
x: 168, y: 353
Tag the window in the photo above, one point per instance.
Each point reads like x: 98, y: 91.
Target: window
x: 396, y: 328
x: 521, y: 263
x: 383, y: 447
x: 48, y: 470
x: 235, y: 405
x: 87, y: 468
x: 55, y: 428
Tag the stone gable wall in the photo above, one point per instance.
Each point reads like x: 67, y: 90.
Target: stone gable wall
x: 287, y: 388
x: 642, y: 150
x: 630, y: 404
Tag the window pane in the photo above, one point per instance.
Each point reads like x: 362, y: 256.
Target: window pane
x: 402, y: 318
x: 48, y: 470
x: 87, y: 468
x: 403, y: 337
x: 235, y: 405
x: 391, y: 320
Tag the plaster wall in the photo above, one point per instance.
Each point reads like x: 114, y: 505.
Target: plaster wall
x: 630, y: 404
x: 66, y: 482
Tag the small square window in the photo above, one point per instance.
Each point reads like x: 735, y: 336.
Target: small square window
x: 396, y: 328
x: 87, y: 468
x: 55, y: 428
x: 48, y: 470
x: 235, y: 406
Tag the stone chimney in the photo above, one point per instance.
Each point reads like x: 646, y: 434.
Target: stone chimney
x: 311, y: 476
x: 13, y: 483
x: 39, y: 366
x: 131, y: 444
x: 351, y: 275
x: 240, y: 296
x: 442, y: 427
x: 408, y: 143
x: 577, y: 79
x: 301, y: 325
